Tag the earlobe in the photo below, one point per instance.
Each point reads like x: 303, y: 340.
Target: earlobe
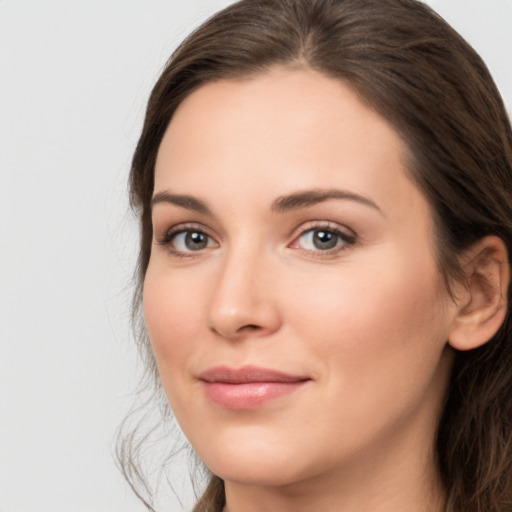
x: 483, y: 298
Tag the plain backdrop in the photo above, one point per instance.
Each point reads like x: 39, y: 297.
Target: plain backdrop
x: 74, y: 79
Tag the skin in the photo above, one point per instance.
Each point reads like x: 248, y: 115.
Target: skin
x: 366, y: 322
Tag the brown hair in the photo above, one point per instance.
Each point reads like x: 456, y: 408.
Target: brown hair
x: 419, y: 74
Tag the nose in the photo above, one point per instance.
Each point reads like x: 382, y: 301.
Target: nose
x: 244, y: 303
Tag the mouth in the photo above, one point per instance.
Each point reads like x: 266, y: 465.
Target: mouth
x: 248, y: 387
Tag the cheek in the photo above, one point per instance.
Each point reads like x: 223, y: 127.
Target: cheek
x: 390, y: 311
x: 173, y: 312
x: 379, y: 338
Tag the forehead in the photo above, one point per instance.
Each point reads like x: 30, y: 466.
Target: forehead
x: 282, y: 130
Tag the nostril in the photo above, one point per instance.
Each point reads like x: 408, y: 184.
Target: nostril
x: 250, y: 327
x: 244, y: 329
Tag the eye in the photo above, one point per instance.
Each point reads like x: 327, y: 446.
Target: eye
x: 185, y: 241
x: 326, y: 239
x: 191, y: 241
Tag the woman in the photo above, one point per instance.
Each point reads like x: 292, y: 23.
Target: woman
x: 325, y: 195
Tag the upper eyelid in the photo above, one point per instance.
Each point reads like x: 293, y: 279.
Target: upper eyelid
x: 323, y: 224
x: 163, y: 221
x: 188, y: 226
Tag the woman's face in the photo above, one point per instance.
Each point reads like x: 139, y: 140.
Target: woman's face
x: 292, y: 298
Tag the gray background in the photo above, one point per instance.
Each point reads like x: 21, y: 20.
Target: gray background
x: 74, y: 78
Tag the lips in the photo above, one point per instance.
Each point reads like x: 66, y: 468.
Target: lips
x: 248, y: 387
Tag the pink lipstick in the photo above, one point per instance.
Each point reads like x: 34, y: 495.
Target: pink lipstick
x: 248, y: 387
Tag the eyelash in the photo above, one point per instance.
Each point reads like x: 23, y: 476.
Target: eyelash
x: 344, y: 239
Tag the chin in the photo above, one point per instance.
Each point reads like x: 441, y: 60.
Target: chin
x: 253, y: 461
x: 268, y: 473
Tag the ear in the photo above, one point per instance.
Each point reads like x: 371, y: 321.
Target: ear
x: 482, y: 299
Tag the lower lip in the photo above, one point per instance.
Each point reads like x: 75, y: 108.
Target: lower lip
x: 248, y: 395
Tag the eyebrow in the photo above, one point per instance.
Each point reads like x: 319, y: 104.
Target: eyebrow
x: 295, y: 201
x: 185, y: 201
x: 307, y: 198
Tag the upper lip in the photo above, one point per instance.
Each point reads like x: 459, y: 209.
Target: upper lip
x: 246, y: 374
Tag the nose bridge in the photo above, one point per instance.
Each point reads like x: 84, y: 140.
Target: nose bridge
x: 242, y: 300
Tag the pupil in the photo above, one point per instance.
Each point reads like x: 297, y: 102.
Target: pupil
x: 325, y: 240
x: 195, y: 241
